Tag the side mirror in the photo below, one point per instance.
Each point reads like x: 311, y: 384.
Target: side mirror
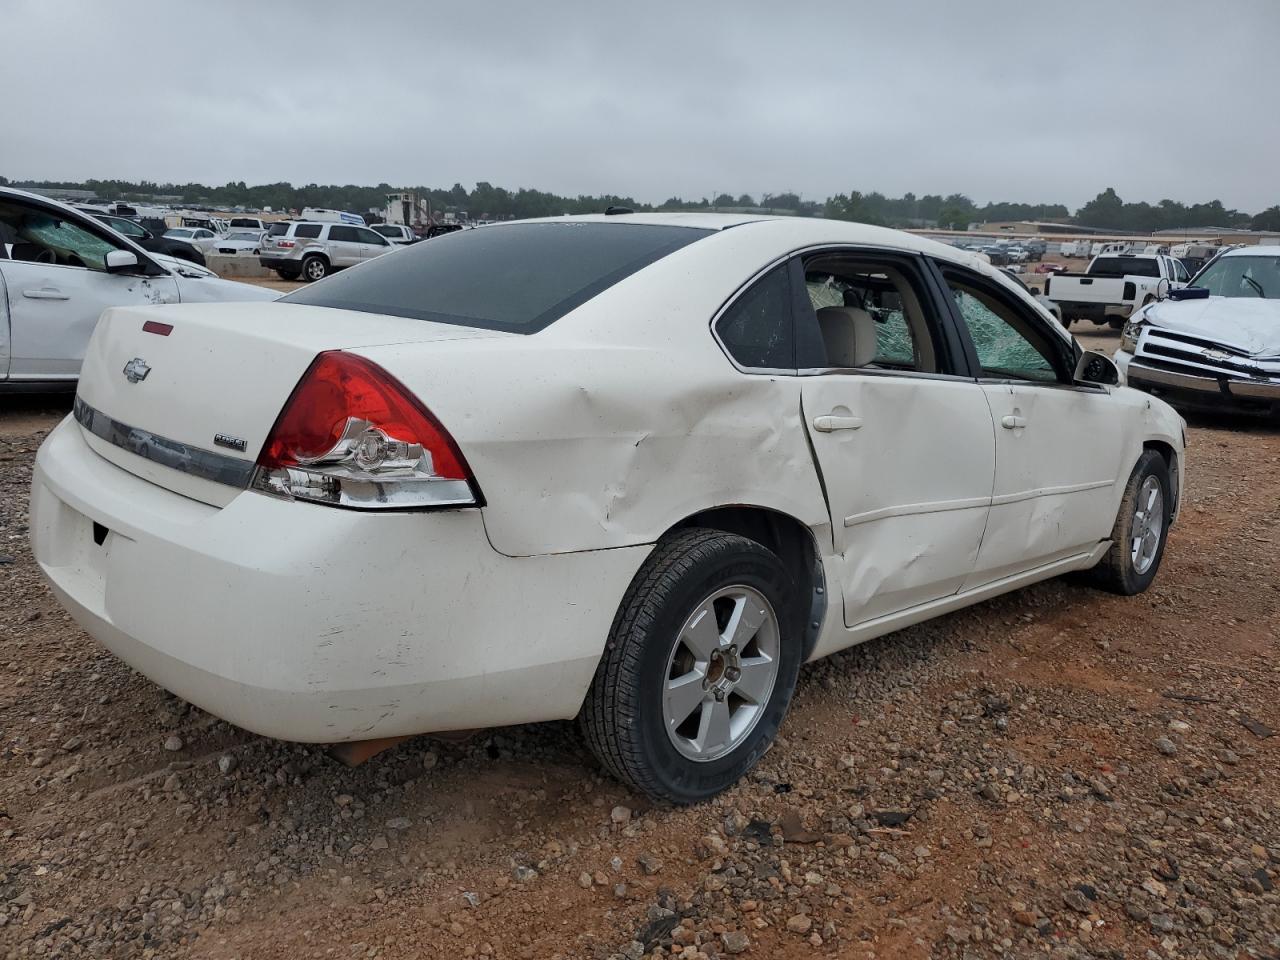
x: 1162, y: 289
x: 121, y: 261
x: 1097, y: 368
x: 1190, y: 293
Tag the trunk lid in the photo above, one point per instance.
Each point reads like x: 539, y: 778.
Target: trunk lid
x: 223, y: 371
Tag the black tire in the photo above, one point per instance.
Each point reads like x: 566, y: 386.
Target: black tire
x: 1115, y: 323
x: 622, y: 718
x: 287, y: 274
x: 314, y: 267
x: 1116, y: 571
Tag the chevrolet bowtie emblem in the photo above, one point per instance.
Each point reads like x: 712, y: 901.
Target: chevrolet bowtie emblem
x: 136, y: 370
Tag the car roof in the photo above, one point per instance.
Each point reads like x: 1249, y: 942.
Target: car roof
x: 1270, y: 250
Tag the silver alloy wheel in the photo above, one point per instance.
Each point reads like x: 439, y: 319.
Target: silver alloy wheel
x: 720, y: 673
x: 315, y: 269
x: 1148, y: 524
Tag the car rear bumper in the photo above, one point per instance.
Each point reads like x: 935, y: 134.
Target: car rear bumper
x: 1097, y: 312
x: 1210, y: 393
x: 308, y: 623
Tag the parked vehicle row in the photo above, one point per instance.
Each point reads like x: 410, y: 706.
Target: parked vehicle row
x: 682, y: 458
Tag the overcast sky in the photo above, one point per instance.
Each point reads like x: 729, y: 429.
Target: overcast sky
x: 999, y: 100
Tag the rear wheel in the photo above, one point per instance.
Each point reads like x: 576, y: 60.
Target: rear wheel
x: 314, y: 268
x: 1141, y: 528
x: 699, y: 668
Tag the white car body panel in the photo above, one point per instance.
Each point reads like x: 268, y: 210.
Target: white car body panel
x: 589, y: 440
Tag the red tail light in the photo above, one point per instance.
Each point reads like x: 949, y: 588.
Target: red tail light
x: 284, y: 243
x: 351, y: 435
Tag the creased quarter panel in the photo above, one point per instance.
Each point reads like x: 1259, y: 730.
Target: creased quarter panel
x: 582, y: 447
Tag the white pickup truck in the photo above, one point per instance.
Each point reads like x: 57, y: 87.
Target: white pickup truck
x: 1114, y: 286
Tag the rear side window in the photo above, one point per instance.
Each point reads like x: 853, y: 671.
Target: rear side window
x: 518, y: 277
x: 758, y: 329
x: 307, y: 231
x: 1125, y: 267
x: 277, y: 230
x: 344, y: 234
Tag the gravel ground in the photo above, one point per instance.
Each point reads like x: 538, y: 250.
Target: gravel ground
x: 1056, y: 773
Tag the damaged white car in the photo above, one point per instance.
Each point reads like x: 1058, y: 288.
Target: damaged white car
x: 1216, y: 344
x: 60, y: 268
x: 634, y: 469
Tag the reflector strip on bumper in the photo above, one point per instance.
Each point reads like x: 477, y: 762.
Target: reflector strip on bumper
x: 169, y: 453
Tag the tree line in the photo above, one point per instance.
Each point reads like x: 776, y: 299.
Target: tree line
x: 485, y: 201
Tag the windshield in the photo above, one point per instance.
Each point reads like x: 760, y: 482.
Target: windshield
x: 1125, y: 267
x: 1241, y: 276
x: 179, y: 234
x: 519, y: 277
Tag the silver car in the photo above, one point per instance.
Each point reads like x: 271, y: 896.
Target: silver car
x: 311, y: 251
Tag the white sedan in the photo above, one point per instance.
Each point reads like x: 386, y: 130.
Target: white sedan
x: 202, y: 239
x: 634, y: 469
x: 242, y: 243
x: 60, y: 268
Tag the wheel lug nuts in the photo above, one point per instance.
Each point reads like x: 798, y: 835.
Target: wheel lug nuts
x: 719, y: 695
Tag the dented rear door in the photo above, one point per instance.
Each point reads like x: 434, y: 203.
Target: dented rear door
x: 908, y: 462
x: 53, y: 310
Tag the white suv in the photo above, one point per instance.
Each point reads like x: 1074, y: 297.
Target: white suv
x: 296, y: 248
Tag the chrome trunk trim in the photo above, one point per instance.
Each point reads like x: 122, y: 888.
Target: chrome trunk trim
x: 206, y: 464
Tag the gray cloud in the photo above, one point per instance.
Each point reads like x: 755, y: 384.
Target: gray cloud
x: 999, y: 100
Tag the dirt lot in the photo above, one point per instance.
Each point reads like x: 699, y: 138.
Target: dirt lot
x: 1055, y: 773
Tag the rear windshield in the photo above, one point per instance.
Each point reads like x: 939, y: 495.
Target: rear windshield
x: 387, y: 231
x: 518, y: 277
x: 1125, y: 267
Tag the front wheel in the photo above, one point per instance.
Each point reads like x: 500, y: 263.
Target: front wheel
x: 699, y: 668
x: 1140, y: 531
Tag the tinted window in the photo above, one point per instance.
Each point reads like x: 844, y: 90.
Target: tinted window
x: 758, y: 330
x: 387, y: 231
x: 307, y: 231
x: 344, y: 234
x: 243, y: 222
x: 518, y: 277
x: 277, y: 230
x: 368, y: 236
x: 1125, y: 267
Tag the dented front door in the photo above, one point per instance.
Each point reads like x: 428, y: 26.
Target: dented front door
x: 53, y: 309
x: 908, y: 463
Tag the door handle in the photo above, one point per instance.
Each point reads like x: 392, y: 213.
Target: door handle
x: 1013, y: 423
x: 829, y: 423
x: 46, y: 293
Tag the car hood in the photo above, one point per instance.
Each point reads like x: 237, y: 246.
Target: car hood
x: 1247, y: 323
x: 183, y: 268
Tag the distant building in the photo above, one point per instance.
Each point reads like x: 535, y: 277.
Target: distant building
x: 1031, y: 226
x: 57, y: 193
